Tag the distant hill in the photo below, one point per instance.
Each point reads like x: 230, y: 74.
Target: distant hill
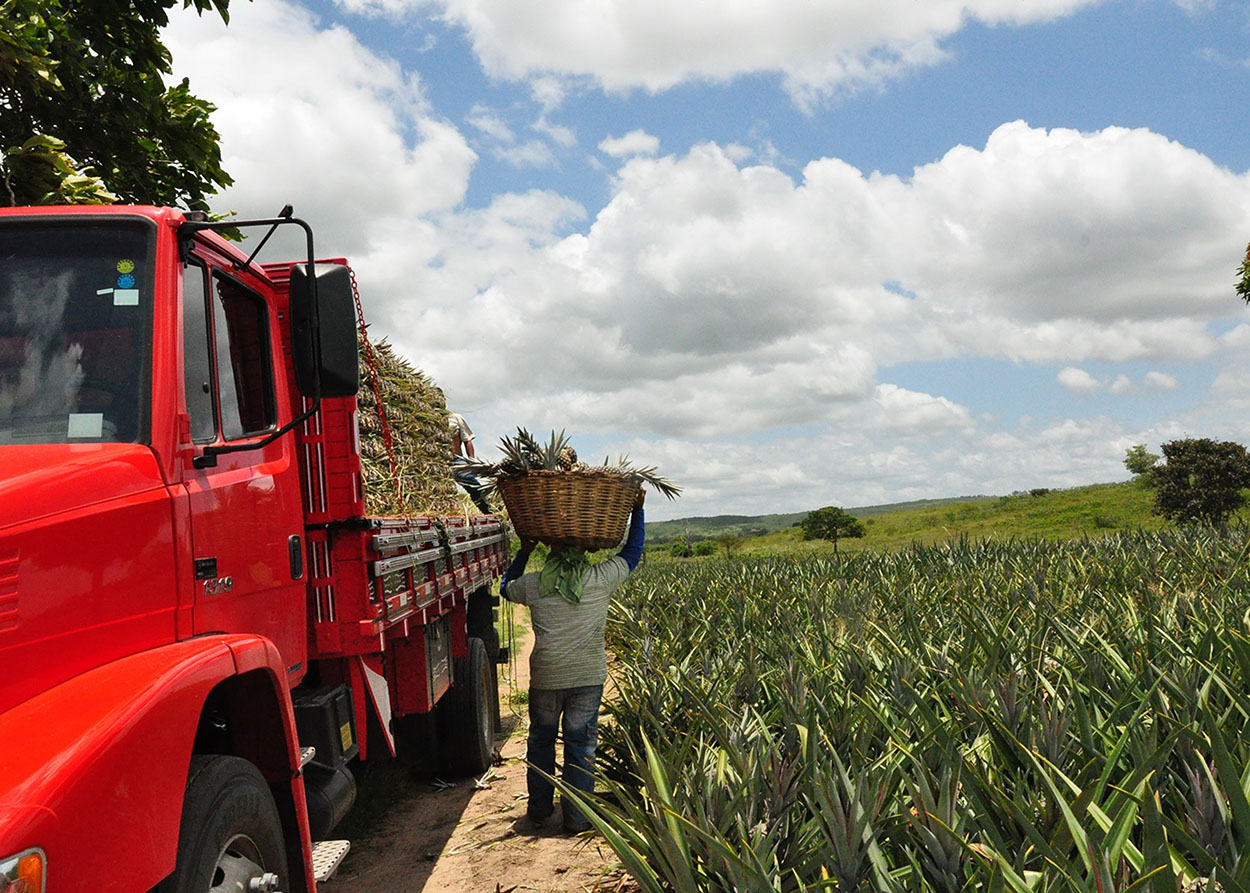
x: 707, y: 528
x: 719, y: 525
x: 1094, y: 510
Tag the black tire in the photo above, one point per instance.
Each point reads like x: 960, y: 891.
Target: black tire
x: 466, y: 717
x: 230, y: 831
x: 416, y: 743
x: 481, y: 623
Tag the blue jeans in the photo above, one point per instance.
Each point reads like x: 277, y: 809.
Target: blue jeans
x: 580, y: 710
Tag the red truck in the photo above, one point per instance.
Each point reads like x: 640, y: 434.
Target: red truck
x: 200, y: 627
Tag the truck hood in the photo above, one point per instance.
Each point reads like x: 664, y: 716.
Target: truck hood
x: 42, y: 480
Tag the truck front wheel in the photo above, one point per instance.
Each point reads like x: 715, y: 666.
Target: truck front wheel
x: 230, y: 837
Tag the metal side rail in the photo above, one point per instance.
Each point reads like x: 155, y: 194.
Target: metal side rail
x: 327, y: 855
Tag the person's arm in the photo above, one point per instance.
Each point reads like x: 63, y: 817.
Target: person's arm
x: 632, y: 550
x: 517, y: 568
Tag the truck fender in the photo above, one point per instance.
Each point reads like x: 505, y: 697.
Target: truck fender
x: 103, y: 757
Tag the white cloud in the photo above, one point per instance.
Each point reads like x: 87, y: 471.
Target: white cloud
x: 531, y: 153
x: 1121, y: 385
x: 559, y: 134
x: 1054, y: 224
x: 1078, y: 380
x: 711, y: 297
x: 708, y: 297
x: 308, y: 115
x: 1162, y: 381
x: 498, y: 139
x: 548, y: 92
x: 490, y: 124
x: 625, y: 44
x: 910, y: 413
x: 636, y: 142
x: 1237, y: 339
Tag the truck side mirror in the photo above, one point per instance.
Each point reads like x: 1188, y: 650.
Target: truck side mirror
x: 329, y: 334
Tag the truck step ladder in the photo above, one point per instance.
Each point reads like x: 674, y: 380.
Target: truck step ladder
x: 327, y: 855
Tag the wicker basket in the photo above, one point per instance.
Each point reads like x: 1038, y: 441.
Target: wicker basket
x: 586, y: 509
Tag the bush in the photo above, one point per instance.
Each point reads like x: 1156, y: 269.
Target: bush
x: 679, y: 548
x: 1201, y: 480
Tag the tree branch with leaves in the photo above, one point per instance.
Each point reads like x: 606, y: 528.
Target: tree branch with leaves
x: 85, y: 112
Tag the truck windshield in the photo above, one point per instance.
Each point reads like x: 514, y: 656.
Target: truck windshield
x: 75, y: 323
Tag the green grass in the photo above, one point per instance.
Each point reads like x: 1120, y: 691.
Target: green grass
x: 1094, y: 511
x: 711, y: 527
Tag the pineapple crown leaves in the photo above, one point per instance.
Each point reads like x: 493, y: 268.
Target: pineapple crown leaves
x: 646, y: 475
x: 524, y: 453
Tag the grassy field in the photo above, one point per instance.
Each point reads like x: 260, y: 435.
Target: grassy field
x: 1011, y: 713
x: 1054, y: 514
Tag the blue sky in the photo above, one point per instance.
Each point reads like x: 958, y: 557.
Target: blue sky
x: 793, y: 254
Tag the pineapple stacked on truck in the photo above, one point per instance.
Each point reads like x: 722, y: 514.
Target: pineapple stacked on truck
x: 401, y: 610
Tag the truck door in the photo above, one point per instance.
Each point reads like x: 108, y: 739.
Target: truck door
x: 246, y: 516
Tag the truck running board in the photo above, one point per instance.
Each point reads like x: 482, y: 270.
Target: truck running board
x: 327, y: 855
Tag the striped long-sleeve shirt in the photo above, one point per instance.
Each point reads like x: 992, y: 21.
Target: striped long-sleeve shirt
x: 568, y: 637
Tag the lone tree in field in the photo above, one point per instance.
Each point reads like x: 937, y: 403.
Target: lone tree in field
x: 831, y: 524
x: 1201, y: 480
x: 85, y: 114
x: 1138, y: 460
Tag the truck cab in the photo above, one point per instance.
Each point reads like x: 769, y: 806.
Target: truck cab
x: 166, y: 638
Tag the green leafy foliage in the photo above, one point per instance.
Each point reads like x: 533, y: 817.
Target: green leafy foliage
x: 1243, y: 278
x: 1139, y: 460
x: 831, y: 524
x: 1201, y: 480
x: 85, y: 113
x: 679, y: 547
x: 995, y: 716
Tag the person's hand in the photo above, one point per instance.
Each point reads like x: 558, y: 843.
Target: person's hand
x: 640, y: 498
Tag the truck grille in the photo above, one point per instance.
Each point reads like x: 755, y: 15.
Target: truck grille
x: 8, y: 590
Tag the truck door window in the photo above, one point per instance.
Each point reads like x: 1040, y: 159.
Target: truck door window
x: 197, y: 358
x: 75, y: 330
x: 244, y: 370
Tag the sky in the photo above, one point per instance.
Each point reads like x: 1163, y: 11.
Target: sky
x: 790, y: 253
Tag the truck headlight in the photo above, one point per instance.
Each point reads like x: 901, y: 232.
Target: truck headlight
x: 24, y: 873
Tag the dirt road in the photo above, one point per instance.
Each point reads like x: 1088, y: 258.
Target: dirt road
x: 414, y: 835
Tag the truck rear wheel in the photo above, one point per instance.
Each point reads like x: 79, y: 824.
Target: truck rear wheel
x: 230, y: 837
x: 466, y: 726
x: 481, y: 622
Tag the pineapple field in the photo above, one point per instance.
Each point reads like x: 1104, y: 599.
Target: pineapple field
x: 997, y: 716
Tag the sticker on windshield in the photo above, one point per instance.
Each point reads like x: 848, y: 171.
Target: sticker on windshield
x: 124, y: 293
x: 85, y: 424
